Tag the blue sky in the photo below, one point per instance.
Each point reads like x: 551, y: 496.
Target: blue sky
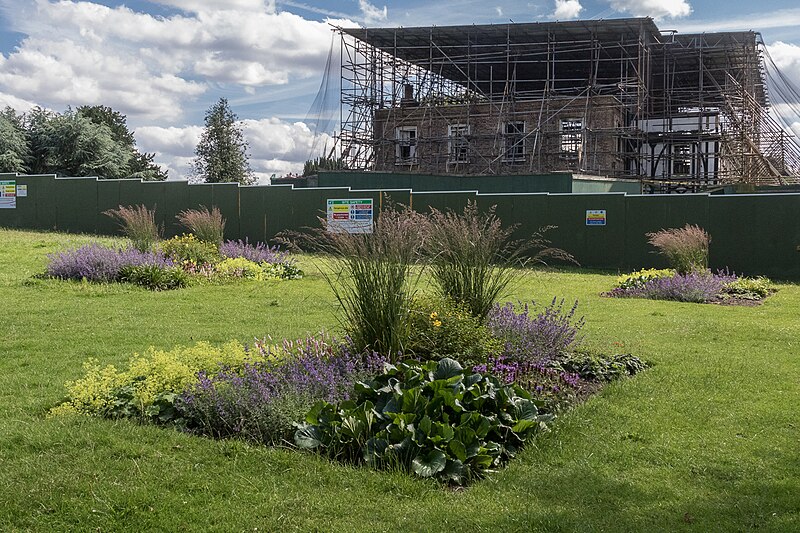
x: 163, y: 62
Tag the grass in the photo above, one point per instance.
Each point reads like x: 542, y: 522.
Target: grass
x: 706, y: 440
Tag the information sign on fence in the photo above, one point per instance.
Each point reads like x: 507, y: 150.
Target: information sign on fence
x: 8, y: 194
x: 595, y: 217
x: 350, y: 215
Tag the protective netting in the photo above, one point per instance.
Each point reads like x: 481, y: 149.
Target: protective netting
x: 323, y: 115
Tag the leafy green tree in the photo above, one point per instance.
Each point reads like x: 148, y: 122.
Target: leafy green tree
x: 221, y: 154
x: 14, y: 150
x: 140, y: 165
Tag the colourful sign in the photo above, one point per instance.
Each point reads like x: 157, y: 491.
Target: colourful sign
x: 22, y: 191
x: 595, y: 217
x: 8, y: 194
x: 350, y: 216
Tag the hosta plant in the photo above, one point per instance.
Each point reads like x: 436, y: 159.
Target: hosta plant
x: 434, y: 419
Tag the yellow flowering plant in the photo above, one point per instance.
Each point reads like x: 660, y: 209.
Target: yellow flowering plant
x: 439, y: 328
x: 150, y: 383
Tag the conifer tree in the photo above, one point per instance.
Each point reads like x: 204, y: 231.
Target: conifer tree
x: 221, y: 155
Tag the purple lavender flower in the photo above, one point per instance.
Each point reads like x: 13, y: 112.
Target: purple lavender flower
x: 262, y: 399
x: 95, y: 262
x: 699, y: 287
x: 535, y: 339
x: 257, y: 253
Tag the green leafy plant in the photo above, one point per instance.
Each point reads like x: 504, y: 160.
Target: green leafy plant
x: 473, y: 257
x: 440, y: 328
x: 593, y: 365
x: 208, y: 226
x: 155, y: 277
x: 685, y: 248
x: 281, y: 270
x: 749, y: 288
x: 433, y: 419
x: 138, y: 223
x: 189, y: 249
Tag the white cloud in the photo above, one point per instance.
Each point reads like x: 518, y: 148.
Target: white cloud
x: 276, y: 146
x: 567, y: 9
x: 652, y: 8
x: 19, y: 104
x: 148, y: 67
x: 781, y: 18
x: 371, y: 13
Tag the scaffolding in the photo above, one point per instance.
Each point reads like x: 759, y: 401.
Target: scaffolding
x: 616, y: 98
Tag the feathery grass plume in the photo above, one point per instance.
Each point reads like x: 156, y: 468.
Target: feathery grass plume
x: 371, y: 276
x: 685, y: 248
x: 473, y: 257
x: 208, y: 226
x: 138, y: 224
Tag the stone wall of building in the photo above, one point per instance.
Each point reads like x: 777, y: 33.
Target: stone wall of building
x: 558, y: 134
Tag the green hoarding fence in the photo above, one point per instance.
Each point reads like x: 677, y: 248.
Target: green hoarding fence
x: 751, y: 234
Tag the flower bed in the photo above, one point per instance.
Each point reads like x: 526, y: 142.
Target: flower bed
x: 699, y: 287
x: 173, y: 263
x: 433, y: 417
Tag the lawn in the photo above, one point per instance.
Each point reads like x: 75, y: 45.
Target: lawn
x: 706, y: 440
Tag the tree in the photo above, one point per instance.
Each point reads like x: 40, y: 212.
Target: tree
x: 313, y: 166
x: 140, y: 165
x: 15, y: 152
x: 221, y: 154
x: 88, y: 141
x: 72, y: 145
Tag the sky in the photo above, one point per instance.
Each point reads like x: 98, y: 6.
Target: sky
x: 163, y: 63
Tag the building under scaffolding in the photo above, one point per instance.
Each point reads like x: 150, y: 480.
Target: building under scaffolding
x: 618, y: 98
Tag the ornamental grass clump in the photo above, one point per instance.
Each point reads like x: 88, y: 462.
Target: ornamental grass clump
x: 208, y: 226
x: 685, y: 248
x: 261, y: 400
x: 473, y: 258
x: 535, y: 338
x: 372, y: 278
x: 95, y: 262
x: 138, y: 224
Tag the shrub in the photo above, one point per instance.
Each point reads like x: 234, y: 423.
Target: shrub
x: 281, y: 271
x: 697, y: 287
x: 473, y: 256
x: 370, y: 275
x: 94, y: 262
x: 685, y: 248
x: 155, y: 277
x: 263, y: 399
x: 640, y: 277
x: 138, y: 224
x: 239, y: 267
x: 208, y: 226
x: 440, y: 328
x: 190, y: 251
x: 535, y: 339
x: 151, y: 383
x: 749, y: 288
x: 257, y: 253
x: 432, y: 419
x: 595, y: 366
